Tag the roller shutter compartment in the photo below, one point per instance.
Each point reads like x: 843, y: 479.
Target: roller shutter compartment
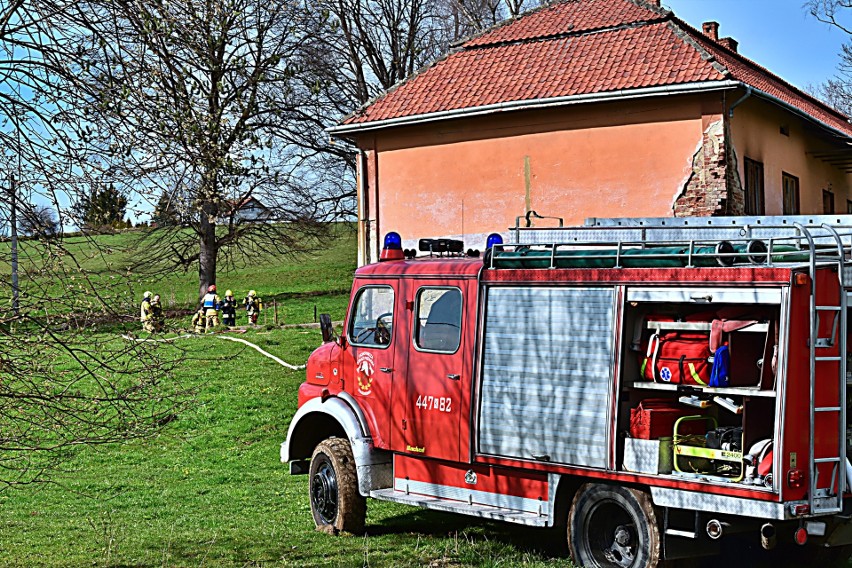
x: 547, y: 374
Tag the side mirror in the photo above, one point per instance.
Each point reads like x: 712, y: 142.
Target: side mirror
x: 327, y: 328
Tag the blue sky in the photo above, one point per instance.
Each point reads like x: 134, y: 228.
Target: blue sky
x: 778, y: 34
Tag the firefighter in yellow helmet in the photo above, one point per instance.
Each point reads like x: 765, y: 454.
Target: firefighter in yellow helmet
x: 229, y: 309
x: 253, y: 305
x: 146, y: 313
x: 210, y: 303
x: 199, y: 321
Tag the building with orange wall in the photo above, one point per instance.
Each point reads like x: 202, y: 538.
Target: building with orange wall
x: 591, y: 108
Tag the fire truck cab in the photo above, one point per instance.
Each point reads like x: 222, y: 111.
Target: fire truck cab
x: 654, y: 385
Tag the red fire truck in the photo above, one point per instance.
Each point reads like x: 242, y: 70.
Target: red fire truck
x: 654, y: 385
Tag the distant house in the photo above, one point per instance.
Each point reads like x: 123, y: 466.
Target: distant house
x: 592, y: 108
x: 249, y: 210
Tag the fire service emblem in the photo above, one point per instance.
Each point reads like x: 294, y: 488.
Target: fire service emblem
x: 364, y: 367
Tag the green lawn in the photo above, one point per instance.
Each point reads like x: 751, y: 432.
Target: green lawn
x: 210, y: 490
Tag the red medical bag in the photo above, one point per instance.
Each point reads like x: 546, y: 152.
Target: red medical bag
x: 678, y: 357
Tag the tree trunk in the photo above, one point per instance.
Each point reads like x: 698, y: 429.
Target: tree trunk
x: 207, y: 254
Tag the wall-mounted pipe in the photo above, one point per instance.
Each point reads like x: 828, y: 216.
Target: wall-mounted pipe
x: 363, y: 186
x: 741, y: 100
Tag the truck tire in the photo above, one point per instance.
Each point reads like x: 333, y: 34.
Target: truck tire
x: 613, y: 527
x: 335, y: 502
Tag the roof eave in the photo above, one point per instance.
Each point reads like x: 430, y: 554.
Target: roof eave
x: 351, y: 130
x: 801, y: 113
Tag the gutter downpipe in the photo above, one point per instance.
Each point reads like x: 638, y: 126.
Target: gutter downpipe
x: 741, y: 100
x: 364, y: 221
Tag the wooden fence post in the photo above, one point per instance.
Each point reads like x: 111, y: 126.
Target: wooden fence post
x: 275, y: 310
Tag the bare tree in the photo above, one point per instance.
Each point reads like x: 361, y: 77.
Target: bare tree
x: 353, y: 50
x: 38, y: 220
x: 380, y: 41
x: 194, y: 98
x: 479, y: 15
x: 370, y: 45
x: 35, y: 148
x: 218, y: 101
x: 836, y: 91
x: 63, y: 385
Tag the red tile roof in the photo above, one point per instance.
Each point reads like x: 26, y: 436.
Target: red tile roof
x: 574, y: 16
x: 579, y: 47
x: 560, y: 67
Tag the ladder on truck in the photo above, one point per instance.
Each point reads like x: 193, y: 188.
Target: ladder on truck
x: 815, y: 235
x: 824, y: 497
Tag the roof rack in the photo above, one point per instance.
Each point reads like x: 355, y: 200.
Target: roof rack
x: 678, y: 242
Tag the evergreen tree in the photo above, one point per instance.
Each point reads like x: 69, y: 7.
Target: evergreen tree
x: 166, y: 213
x: 103, y: 208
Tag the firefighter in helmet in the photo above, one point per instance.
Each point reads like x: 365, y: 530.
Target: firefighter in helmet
x: 229, y: 309
x: 210, y: 303
x: 158, y: 318
x: 253, y: 305
x: 198, y: 321
x: 146, y: 313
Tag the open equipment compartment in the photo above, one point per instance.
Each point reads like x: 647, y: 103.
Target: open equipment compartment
x: 669, y: 338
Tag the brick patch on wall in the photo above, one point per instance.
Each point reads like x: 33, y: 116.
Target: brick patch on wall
x: 713, y: 187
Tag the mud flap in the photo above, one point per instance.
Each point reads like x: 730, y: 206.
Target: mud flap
x: 300, y: 467
x: 685, y: 536
x: 841, y: 535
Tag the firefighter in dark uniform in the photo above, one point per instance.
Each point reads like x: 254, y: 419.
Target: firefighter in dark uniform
x: 229, y: 309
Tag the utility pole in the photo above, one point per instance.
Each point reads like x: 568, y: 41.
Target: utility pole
x: 13, y: 220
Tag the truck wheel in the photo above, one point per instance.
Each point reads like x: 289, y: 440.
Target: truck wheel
x: 335, y: 501
x: 613, y: 527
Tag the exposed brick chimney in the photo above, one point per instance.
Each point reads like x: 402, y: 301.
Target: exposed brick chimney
x: 711, y: 30
x: 654, y: 2
x: 730, y: 43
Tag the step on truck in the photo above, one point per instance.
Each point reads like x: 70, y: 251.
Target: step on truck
x: 654, y: 386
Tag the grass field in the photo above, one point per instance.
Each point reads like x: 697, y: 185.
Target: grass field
x: 210, y: 490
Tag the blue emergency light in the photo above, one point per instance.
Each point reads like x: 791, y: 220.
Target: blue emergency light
x: 393, y: 247
x: 493, y: 239
x: 393, y: 241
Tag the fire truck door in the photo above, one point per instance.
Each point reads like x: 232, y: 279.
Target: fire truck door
x: 435, y: 374
x: 372, y: 339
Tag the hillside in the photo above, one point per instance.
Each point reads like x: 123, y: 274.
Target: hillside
x: 102, y: 263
